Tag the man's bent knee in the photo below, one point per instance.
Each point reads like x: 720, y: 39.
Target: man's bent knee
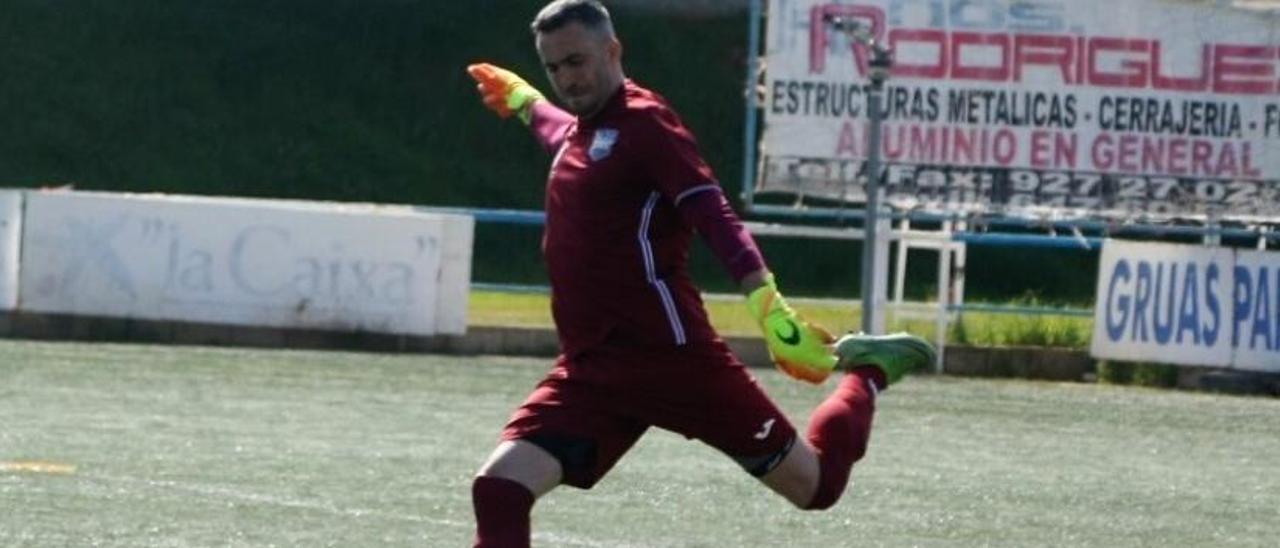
x: 761, y: 466
x: 524, y: 463
x: 833, y: 477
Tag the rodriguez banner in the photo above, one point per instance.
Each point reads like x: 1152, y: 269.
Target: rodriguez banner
x: 1141, y: 108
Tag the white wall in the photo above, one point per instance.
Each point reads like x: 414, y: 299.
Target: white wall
x: 246, y: 262
x: 455, y: 274
x: 10, y: 231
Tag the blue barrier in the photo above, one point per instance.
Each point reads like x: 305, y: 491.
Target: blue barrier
x: 502, y: 216
x: 512, y: 288
x: 538, y: 218
x: 1028, y: 240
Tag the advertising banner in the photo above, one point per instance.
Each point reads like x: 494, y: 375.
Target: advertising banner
x: 243, y: 262
x: 1065, y: 108
x: 1188, y: 305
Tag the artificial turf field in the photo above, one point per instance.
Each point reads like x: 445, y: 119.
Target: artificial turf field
x: 139, y: 446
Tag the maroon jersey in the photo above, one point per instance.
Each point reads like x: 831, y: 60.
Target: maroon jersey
x: 615, y: 244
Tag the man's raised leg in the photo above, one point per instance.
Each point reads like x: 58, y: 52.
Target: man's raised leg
x: 816, y: 471
x: 838, y: 431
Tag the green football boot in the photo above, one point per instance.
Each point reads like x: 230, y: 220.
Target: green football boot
x: 895, y: 354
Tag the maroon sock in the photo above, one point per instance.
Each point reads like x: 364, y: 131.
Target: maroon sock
x: 875, y: 375
x: 502, y: 512
x: 839, y: 430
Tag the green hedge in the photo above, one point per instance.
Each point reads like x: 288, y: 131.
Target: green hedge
x: 366, y: 100
x: 1138, y: 373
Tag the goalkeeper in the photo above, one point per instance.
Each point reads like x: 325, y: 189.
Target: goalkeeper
x: 626, y: 191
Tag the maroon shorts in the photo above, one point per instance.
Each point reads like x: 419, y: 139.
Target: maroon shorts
x: 591, y: 409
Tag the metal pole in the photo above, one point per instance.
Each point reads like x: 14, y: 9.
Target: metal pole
x: 873, y: 250
x: 749, y: 130
x: 872, y: 321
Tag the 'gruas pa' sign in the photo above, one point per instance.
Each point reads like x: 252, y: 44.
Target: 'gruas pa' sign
x: 1188, y: 305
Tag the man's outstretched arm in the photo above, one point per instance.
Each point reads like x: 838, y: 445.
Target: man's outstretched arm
x: 506, y: 94
x: 550, y: 125
x: 800, y: 349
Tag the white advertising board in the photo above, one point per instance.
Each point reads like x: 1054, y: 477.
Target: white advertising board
x: 242, y: 262
x: 1149, y: 108
x: 1188, y: 305
x: 10, y: 232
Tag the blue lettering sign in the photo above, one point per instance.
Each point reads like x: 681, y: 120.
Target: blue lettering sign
x: 1163, y: 329
x: 1115, y: 330
x: 1189, y: 311
x: 1151, y: 301
x: 1262, y: 311
x: 1241, y: 297
x: 1215, y: 309
x: 988, y: 15
x: 977, y: 14
x: 1141, y: 296
x: 1037, y: 16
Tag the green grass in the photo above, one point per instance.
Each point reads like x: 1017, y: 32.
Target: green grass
x: 730, y: 317
x: 988, y: 329
x: 182, y: 446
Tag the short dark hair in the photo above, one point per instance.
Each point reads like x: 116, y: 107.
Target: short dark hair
x: 589, y: 13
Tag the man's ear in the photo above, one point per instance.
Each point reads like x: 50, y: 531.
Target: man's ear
x: 615, y: 50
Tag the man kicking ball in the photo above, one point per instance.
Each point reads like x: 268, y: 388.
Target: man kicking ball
x: 626, y: 191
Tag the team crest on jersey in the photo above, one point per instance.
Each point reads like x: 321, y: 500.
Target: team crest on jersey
x: 602, y: 144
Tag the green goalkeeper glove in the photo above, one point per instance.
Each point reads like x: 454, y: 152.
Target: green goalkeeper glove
x: 800, y: 349
x: 504, y: 92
